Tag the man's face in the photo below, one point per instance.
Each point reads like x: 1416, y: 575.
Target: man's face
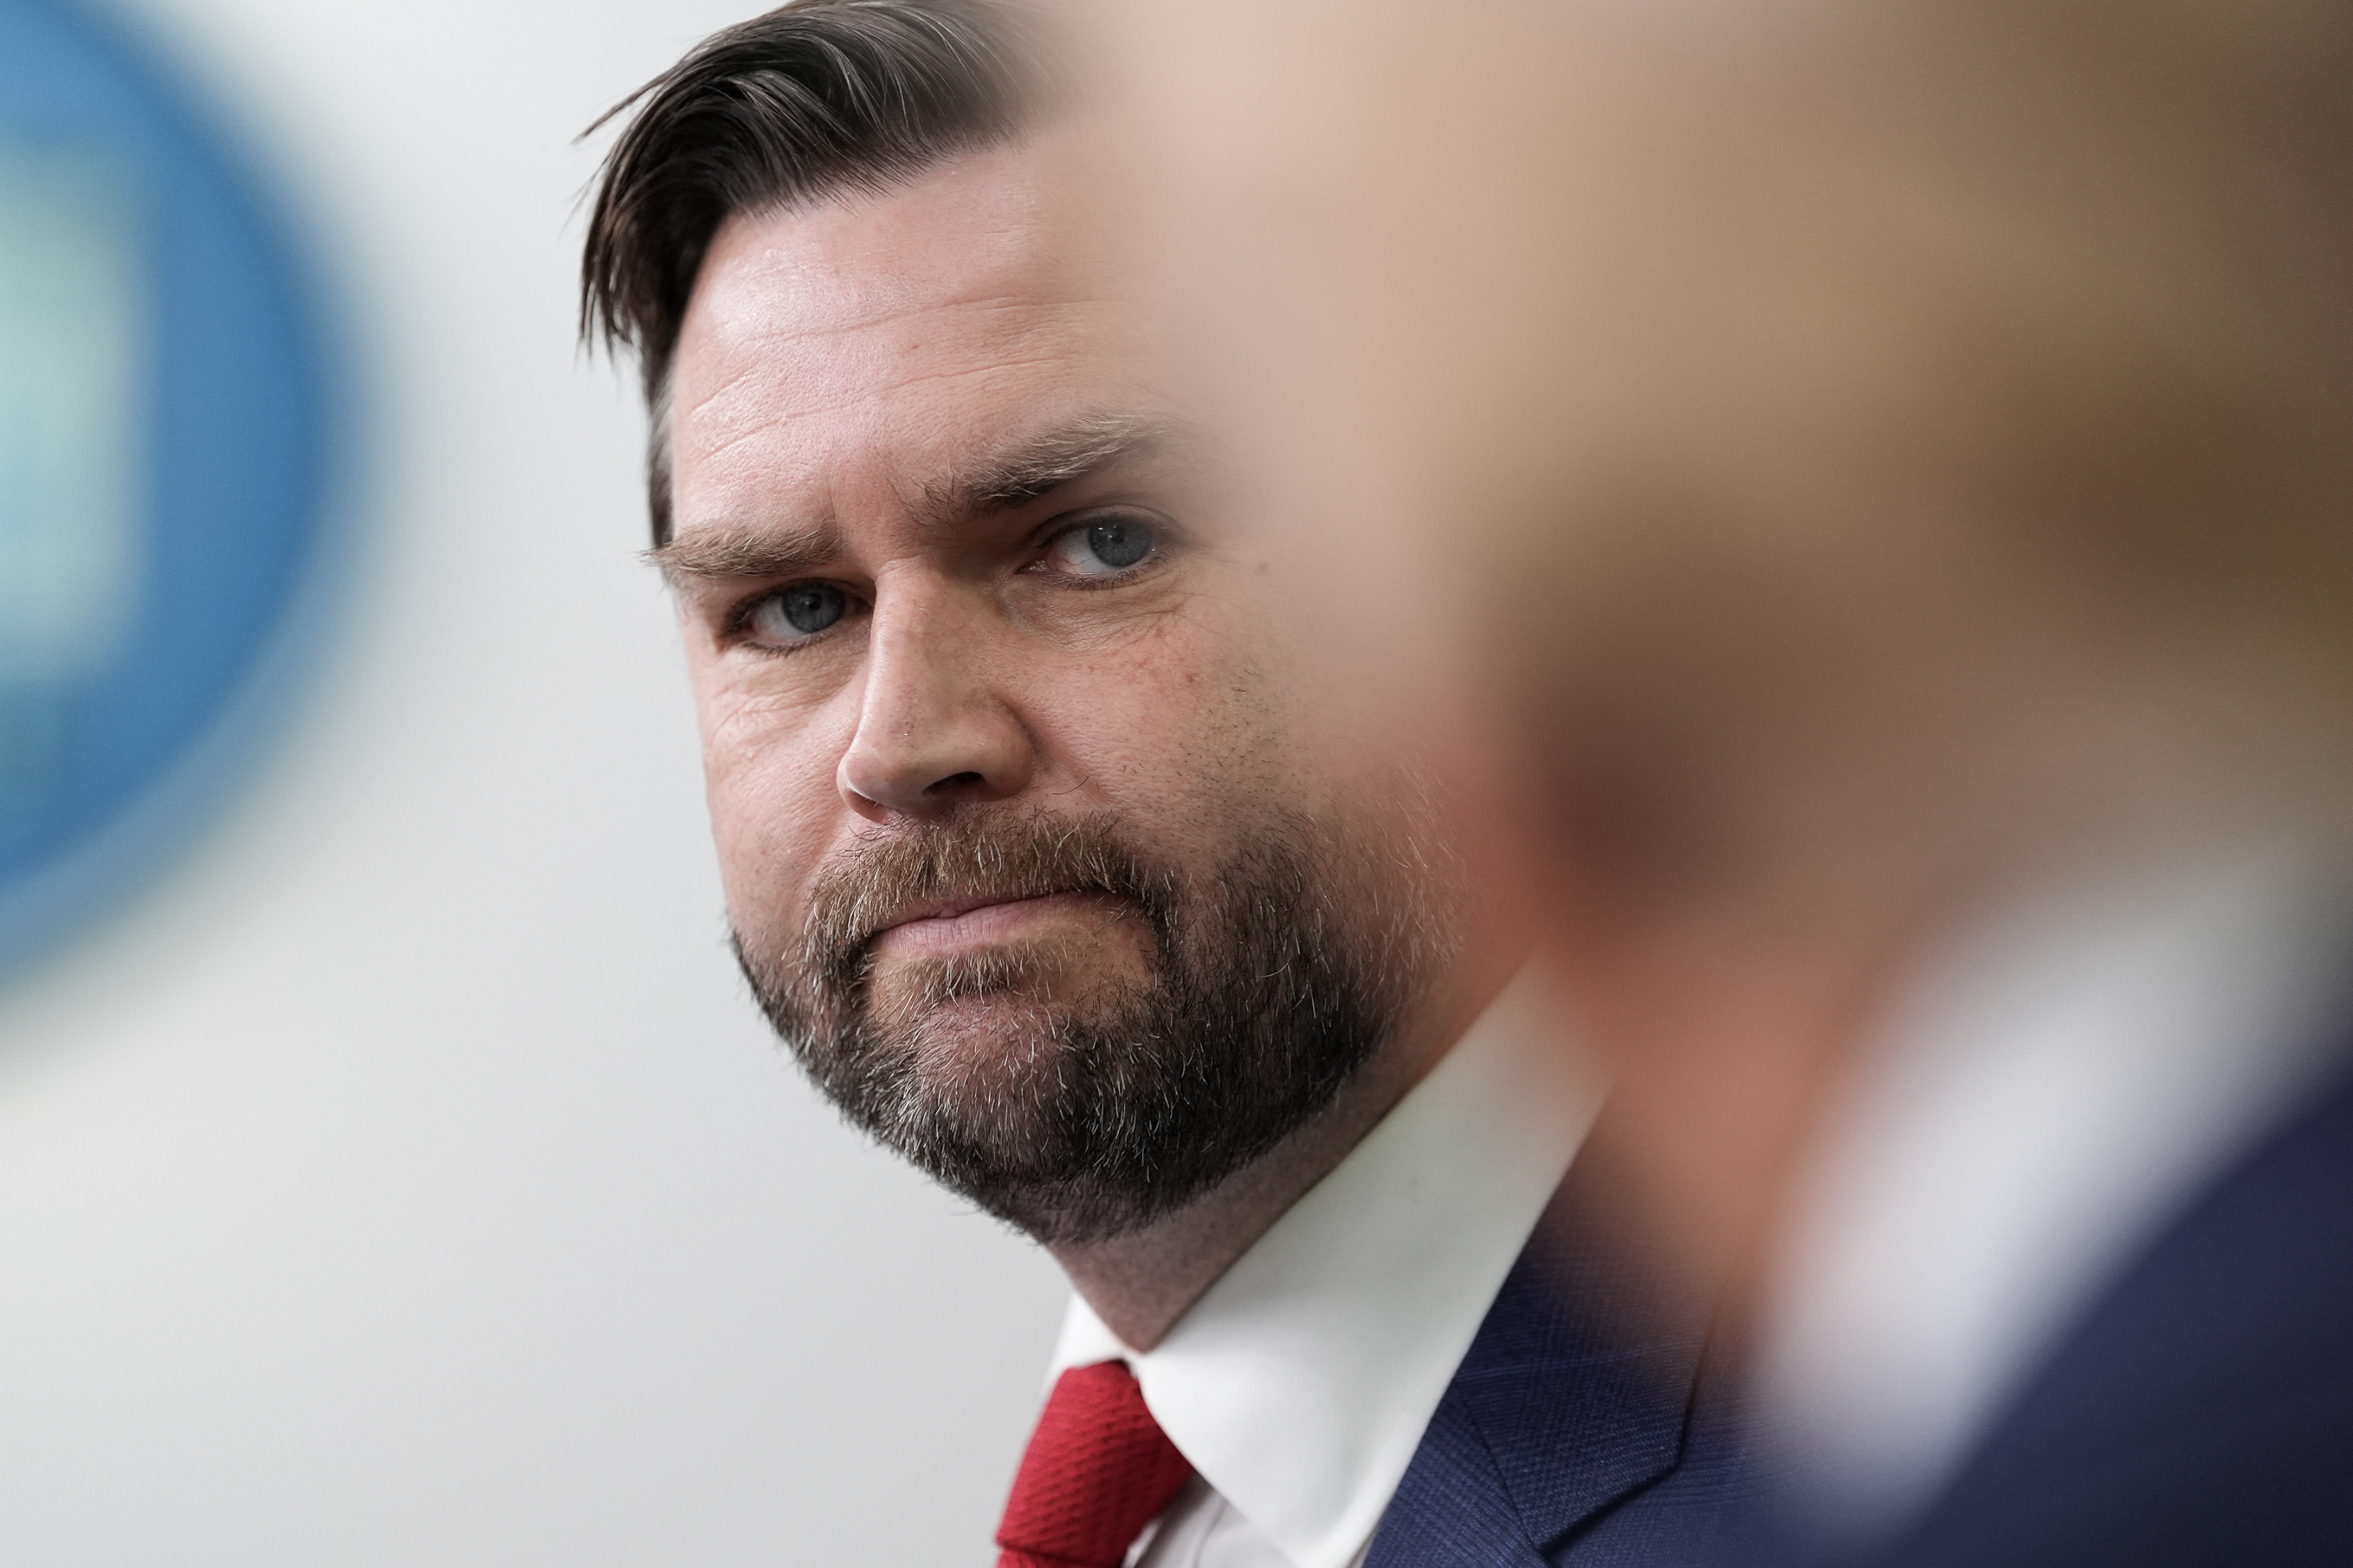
x: 1038, y: 852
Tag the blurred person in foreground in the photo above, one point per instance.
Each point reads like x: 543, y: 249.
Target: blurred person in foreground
x: 1900, y: 457
x: 1066, y: 873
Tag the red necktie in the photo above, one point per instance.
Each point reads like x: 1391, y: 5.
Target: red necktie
x: 1097, y: 1470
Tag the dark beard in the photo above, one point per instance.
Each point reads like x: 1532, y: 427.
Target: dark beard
x: 1086, y: 1117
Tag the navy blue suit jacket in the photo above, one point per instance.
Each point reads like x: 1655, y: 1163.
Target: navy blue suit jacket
x: 2201, y: 1415
x: 1582, y: 1426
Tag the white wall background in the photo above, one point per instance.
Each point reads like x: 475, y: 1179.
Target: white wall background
x: 402, y: 1178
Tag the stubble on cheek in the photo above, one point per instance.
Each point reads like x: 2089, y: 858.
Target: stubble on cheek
x: 770, y: 825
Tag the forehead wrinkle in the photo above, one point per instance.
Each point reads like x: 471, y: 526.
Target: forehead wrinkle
x: 992, y: 303
x: 752, y: 338
x: 703, y: 402
x: 771, y: 421
x: 751, y: 346
x: 750, y: 358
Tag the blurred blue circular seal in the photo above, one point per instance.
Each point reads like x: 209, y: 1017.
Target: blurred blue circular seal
x: 165, y: 435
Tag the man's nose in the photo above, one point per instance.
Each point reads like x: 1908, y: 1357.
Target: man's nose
x: 933, y: 729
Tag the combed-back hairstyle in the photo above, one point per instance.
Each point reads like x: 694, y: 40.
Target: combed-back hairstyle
x: 814, y: 100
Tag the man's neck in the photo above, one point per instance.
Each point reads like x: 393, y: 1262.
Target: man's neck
x: 1142, y: 1282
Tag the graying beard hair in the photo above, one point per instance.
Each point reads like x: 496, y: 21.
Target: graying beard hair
x: 1261, y: 1004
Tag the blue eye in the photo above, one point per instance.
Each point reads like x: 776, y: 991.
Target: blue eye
x: 1106, y: 547
x: 798, y: 612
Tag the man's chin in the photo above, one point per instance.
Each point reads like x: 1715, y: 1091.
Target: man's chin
x: 1084, y: 1065
x: 973, y: 1040
x: 987, y: 1108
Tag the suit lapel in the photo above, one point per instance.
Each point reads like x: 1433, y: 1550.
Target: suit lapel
x: 1575, y: 1395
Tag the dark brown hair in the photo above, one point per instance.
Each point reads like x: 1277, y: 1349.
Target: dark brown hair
x: 815, y: 98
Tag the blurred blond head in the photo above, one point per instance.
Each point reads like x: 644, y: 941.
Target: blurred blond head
x: 1873, y: 453
x: 1919, y: 423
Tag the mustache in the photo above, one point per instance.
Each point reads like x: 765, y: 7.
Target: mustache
x: 963, y: 858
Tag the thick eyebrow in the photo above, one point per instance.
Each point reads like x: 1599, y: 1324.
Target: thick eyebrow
x: 737, y: 550
x: 1029, y: 471
x: 1036, y: 468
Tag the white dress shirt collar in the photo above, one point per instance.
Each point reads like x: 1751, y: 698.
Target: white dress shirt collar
x: 1300, y: 1384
